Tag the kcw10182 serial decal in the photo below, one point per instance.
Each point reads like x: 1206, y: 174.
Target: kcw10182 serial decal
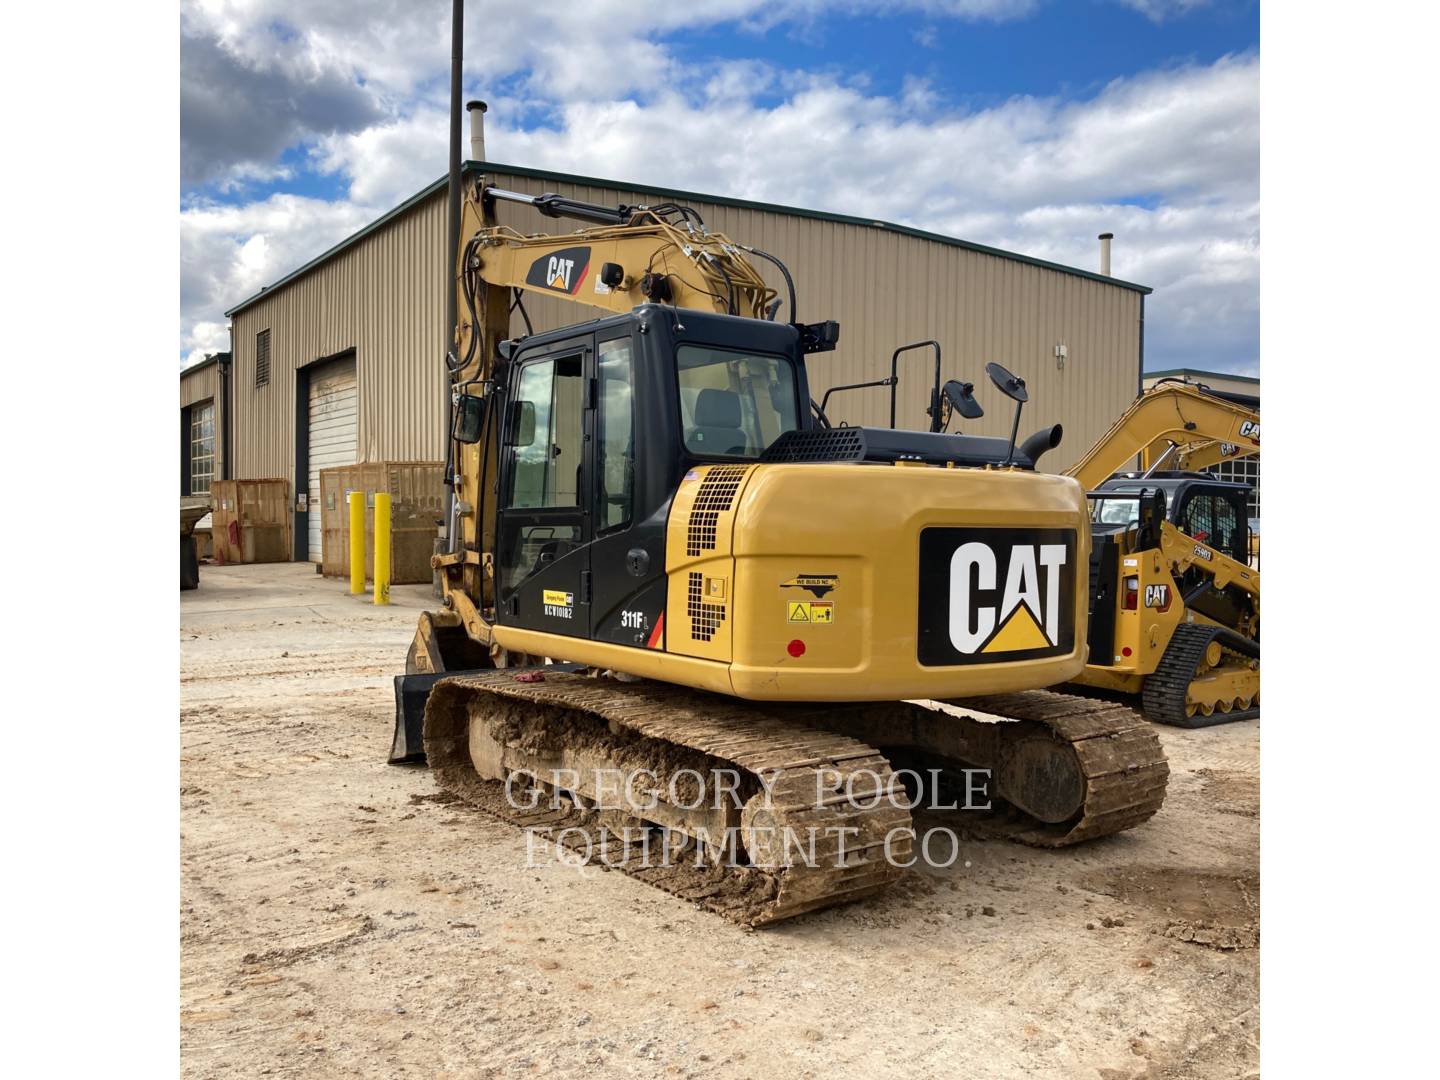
x: 995, y: 595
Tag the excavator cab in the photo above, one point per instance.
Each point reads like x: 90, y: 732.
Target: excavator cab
x: 602, y: 423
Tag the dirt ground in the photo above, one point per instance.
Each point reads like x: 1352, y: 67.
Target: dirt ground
x: 336, y: 921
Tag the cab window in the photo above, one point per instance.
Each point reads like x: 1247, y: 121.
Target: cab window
x: 544, y: 441
x: 734, y: 404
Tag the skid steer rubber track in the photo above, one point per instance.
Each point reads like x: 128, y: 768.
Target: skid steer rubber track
x: 1166, y: 691
x: 673, y: 729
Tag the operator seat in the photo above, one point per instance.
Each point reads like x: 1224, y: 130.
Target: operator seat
x: 717, y: 423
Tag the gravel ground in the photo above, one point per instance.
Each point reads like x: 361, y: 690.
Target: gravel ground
x: 336, y: 920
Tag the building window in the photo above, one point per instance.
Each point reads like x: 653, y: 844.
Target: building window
x: 1244, y: 470
x: 262, y: 359
x: 202, y: 447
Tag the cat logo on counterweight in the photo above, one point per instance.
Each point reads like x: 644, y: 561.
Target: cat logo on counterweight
x: 996, y: 595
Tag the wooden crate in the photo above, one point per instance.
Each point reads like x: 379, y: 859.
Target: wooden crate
x: 250, y: 522
x: 416, y: 503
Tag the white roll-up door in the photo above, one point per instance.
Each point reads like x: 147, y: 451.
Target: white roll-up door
x: 333, y: 402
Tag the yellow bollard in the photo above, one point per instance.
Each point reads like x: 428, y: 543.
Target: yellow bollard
x: 382, y: 547
x: 357, y: 543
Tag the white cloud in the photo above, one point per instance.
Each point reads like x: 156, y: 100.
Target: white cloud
x: 1160, y: 10
x: 228, y: 252
x: 1168, y: 160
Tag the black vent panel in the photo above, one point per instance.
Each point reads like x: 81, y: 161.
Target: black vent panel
x: 817, y: 444
x: 705, y: 618
x: 716, y: 494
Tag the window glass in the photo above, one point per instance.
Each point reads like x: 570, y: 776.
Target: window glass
x: 545, y: 471
x: 202, y: 447
x: 616, y: 465
x: 734, y: 404
x: 1116, y: 511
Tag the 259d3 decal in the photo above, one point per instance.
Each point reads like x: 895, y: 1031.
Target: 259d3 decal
x: 995, y: 595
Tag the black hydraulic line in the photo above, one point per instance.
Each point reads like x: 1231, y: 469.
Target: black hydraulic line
x: 784, y: 270
x: 520, y: 303
x: 729, y: 287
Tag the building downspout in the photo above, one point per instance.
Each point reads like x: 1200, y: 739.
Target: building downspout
x: 227, y: 397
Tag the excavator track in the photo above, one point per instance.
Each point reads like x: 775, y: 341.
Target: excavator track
x: 1123, y: 764
x: 1075, y: 768
x: 676, y: 730
x: 1167, y: 696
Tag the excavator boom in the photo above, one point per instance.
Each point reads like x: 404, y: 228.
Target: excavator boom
x: 1201, y: 428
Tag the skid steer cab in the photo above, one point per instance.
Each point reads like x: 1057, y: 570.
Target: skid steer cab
x: 666, y: 504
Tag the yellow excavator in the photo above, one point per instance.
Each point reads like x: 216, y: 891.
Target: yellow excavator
x: 1174, y: 601
x: 663, y: 560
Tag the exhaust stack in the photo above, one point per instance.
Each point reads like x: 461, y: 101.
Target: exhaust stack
x: 1105, y: 238
x: 477, y: 109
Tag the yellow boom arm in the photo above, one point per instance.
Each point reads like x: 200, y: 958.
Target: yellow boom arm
x: 612, y: 267
x: 1202, y: 429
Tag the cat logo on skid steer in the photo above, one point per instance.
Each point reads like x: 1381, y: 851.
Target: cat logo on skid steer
x: 995, y: 595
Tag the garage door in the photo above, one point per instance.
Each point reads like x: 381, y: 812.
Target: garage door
x: 332, y: 431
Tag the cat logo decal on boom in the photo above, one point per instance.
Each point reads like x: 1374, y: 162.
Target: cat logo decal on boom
x: 563, y: 271
x: 995, y: 595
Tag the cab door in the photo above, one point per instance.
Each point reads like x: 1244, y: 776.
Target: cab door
x: 546, y: 509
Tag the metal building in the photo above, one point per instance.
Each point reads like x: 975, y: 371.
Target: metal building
x: 340, y: 360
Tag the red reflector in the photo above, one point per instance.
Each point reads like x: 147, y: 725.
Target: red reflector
x: 796, y: 648
x: 1132, y: 594
x: 1125, y: 651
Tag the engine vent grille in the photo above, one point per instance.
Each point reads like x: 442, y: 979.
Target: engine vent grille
x: 717, y: 492
x: 817, y: 444
x: 705, y: 618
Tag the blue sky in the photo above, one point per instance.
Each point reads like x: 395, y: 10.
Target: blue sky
x: 1031, y: 125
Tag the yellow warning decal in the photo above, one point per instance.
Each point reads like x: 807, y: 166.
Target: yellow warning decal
x: 559, y: 598
x: 1020, y: 632
x: 821, y: 613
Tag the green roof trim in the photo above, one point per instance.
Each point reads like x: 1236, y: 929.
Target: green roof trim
x: 1182, y: 372
x: 677, y: 193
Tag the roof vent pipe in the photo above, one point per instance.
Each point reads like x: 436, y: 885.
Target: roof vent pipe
x: 476, y: 109
x: 1105, y: 238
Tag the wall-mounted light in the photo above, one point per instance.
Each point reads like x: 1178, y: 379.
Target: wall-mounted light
x: 1062, y: 353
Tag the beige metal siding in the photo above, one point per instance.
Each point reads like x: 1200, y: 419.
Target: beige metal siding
x: 200, y: 385
x: 383, y: 298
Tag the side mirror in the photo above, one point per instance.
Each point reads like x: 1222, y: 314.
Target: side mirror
x: 522, y: 424
x: 1012, y: 386
x: 961, y: 396
x: 469, y: 418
